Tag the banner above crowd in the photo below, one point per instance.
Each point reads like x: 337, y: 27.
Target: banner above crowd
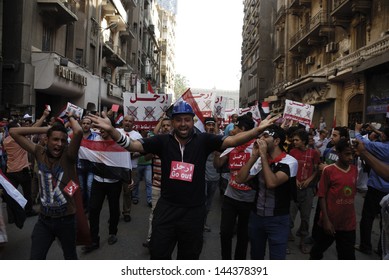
x: 296, y: 111
x: 146, y: 108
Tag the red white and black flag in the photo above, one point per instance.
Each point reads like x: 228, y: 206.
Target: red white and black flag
x: 106, y: 159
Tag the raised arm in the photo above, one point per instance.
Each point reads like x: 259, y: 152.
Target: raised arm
x: 19, y: 135
x: 244, y: 137
x: 75, y: 142
x: 158, y: 126
x: 39, y: 122
x: 219, y: 161
x: 272, y: 180
x: 125, y: 141
x: 243, y: 175
x: 378, y: 166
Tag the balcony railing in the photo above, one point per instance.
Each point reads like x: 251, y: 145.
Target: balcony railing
x: 357, y: 57
x: 320, y: 18
x: 60, y: 11
x: 337, y: 3
x: 280, y: 13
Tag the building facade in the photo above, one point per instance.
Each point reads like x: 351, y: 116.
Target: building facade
x: 87, y: 52
x: 257, y: 51
x: 167, y: 23
x: 332, y: 54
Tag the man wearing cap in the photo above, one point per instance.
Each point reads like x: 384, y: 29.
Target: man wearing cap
x: 377, y: 188
x: 276, y: 173
x: 180, y: 212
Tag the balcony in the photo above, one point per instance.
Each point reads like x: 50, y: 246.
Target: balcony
x: 279, y: 54
x: 280, y: 15
x: 129, y: 3
x: 57, y: 10
x: 300, y: 3
x: 113, y: 11
x: 127, y: 34
x: 368, y: 56
x: 112, y: 54
x: 343, y: 10
x: 310, y: 34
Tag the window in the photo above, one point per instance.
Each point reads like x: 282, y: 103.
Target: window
x: 92, y: 59
x: 48, y: 38
x: 80, y: 56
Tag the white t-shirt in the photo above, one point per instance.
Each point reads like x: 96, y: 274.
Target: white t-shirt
x: 134, y: 135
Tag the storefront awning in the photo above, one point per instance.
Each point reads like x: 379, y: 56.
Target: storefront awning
x: 57, y: 76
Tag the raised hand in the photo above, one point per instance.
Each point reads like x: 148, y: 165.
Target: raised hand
x: 100, y: 122
x: 268, y: 121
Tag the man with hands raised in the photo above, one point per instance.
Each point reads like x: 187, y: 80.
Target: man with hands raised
x: 180, y: 212
x: 275, y: 172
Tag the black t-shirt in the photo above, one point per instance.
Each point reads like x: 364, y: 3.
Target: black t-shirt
x: 177, y: 192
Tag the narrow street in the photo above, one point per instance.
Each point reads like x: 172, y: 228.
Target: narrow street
x: 131, y: 236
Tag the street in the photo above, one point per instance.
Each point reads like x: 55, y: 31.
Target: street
x: 131, y: 236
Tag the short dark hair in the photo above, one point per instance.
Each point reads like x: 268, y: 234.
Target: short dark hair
x: 245, y: 122
x: 342, y: 131
x: 342, y: 145
x: 56, y: 127
x: 277, y: 132
x: 291, y: 130
x: 302, y: 134
x: 209, y: 120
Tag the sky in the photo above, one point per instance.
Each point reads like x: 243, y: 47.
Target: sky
x: 208, y: 43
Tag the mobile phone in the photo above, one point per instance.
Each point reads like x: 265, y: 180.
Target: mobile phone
x: 351, y: 134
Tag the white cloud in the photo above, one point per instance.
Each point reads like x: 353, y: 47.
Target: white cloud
x: 208, y: 42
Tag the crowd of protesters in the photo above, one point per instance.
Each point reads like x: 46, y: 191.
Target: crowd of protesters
x: 268, y: 172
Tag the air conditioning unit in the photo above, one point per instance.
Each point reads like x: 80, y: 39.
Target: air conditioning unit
x: 331, y: 47
x: 310, y: 60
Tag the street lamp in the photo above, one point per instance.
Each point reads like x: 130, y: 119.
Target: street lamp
x: 100, y: 44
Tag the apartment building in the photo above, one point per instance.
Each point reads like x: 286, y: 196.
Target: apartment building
x: 257, y: 51
x: 332, y: 54
x: 167, y: 17
x: 87, y: 52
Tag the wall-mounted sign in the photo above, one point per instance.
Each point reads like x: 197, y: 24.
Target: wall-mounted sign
x: 70, y: 75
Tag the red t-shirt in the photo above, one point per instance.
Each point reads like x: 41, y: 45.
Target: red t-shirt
x: 338, y: 186
x: 306, y: 160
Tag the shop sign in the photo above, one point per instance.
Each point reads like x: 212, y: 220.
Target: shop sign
x: 376, y: 109
x: 70, y: 75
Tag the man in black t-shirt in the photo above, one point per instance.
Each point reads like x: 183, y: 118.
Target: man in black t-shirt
x: 180, y: 212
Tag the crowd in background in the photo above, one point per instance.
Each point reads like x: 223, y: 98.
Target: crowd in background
x: 265, y: 183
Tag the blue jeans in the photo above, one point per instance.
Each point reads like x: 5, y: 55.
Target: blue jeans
x: 144, y: 172
x: 47, y: 229
x: 274, y: 229
x: 86, y: 179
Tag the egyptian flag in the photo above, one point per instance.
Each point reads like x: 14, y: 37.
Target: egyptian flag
x: 106, y: 159
x: 188, y: 97
x: 119, y: 118
x: 15, y: 201
x: 387, y: 111
x: 149, y: 88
